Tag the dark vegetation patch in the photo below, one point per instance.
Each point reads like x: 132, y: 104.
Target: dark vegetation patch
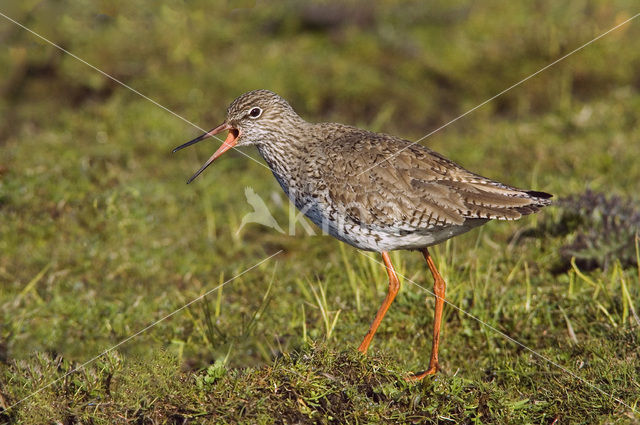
x: 599, y: 229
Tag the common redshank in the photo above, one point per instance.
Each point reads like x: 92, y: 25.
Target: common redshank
x: 374, y: 191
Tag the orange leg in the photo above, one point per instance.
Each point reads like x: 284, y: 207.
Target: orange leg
x: 439, y: 287
x: 394, y: 287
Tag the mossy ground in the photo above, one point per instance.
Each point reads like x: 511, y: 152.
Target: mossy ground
x: 100, y: 237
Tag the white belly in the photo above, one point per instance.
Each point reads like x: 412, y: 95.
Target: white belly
x: 375, y: 239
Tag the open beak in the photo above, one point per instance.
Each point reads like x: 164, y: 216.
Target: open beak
x: 230, y: 141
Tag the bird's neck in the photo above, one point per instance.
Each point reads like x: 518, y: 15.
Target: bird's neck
x: 285, y: 150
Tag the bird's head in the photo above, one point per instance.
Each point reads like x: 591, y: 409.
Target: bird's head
x: 253, y: 118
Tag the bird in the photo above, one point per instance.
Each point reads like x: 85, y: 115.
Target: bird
x: 374, y: 191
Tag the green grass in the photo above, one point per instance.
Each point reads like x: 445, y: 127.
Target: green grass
x: 319, y: 383
x: 100, y: 237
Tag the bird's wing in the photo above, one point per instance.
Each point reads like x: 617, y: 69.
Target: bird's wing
x: 385, y: 181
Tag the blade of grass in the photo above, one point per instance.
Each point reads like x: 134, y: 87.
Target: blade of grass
x: 32, y: 283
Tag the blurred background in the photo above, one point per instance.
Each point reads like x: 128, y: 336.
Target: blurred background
x: 100, y: 236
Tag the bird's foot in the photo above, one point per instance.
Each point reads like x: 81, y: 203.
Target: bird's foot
x: 421, y: 375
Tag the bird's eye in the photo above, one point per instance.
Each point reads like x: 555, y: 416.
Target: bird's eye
x: 255, y: 112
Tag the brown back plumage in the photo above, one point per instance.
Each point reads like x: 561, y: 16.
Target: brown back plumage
x: 417, y: 187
